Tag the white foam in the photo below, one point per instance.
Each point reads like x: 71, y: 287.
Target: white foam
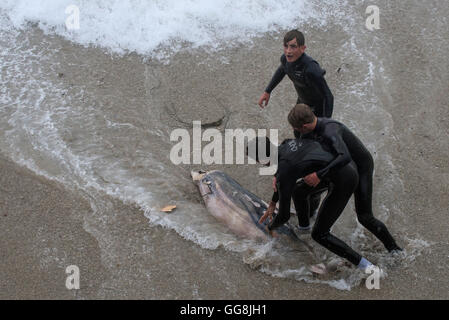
x: 144, y: 26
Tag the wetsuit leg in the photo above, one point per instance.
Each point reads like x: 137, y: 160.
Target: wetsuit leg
x: 315, y: 200
x: 303, y: 195
x: 363, y: 207
x: 343, y: 183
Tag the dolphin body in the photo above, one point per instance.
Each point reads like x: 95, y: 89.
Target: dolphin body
x: 235, y: 206
x: 241, y: 210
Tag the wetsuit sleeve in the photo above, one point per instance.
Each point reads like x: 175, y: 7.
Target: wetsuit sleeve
x: 285, y: 185
x: 275, y: 197
x: 277, y: 77
x: 316, y: 77
x: 332, y: 137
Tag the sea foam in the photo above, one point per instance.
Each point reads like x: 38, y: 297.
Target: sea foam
x: 147, y: 26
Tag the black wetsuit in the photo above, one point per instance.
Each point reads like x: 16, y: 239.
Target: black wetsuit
x: 309, y: 82
x: 298, y: 158
x: 346, y: 146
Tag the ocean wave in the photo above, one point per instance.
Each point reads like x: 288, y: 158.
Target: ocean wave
x: 149, y: 26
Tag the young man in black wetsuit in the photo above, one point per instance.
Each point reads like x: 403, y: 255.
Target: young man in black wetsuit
x: 306, y: 74
x: 298, y: 158
x: 346, y: 146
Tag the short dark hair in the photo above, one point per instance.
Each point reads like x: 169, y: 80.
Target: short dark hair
x: 294, y: 34
x: 300, y: 115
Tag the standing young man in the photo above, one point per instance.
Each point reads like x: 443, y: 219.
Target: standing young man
x: 308, y: 79
x: 306, y: 74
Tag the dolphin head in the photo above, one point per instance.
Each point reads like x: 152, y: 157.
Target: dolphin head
x: 197, y: 175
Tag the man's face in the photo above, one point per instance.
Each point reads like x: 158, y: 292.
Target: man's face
x: 292, y: 51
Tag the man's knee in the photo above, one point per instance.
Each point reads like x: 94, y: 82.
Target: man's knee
x: 366, y: 219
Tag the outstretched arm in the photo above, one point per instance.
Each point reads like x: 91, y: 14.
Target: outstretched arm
x: 277, y: 77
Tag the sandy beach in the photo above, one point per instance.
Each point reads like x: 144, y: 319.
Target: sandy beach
x: 49, y: 224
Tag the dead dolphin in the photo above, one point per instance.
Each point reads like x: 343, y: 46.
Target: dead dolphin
x: 241, y: 210
x: 234, y: 206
